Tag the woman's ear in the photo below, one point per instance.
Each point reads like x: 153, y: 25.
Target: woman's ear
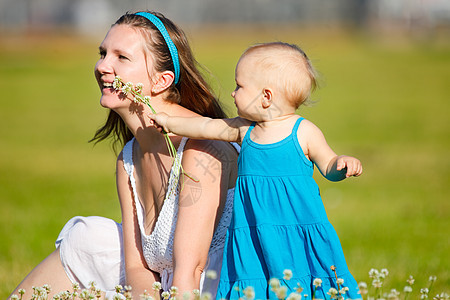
x: 267, y: 97
x: 163, y: 81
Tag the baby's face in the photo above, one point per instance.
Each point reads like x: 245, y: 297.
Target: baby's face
x: 248, y: 93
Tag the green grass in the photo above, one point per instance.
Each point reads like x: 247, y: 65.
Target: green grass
x: 384, y: 101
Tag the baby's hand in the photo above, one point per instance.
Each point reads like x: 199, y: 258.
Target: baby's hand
x: 353, y: 165
x: 159, y: 120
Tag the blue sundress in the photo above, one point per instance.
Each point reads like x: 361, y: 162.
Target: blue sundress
x: 279, y: 222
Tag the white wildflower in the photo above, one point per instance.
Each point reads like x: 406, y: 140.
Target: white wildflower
x: 333, y: 293
x: 249, y: 292
x: 384, y: 273
x: 362, y: 288
x: 206, y: 296
x: 118, y: 288
x: 14, y: 297
x: 126, y: 89
x: 211, y: 274
x: 117, y: 84
x: 393, y: 294
x: 373, y: 273
x: 294, y: 296
x: 173, y: 290
x: 424, y: 293
x: 343, y: 290
x: 165, y: 295
x: 410, y: 280
x: 340, y: 281
x: 139, y: 87
x: 274, y: 283
x: 196, y: 292
x: 299, y: 288
x: 116, y: 297
x: 441, y: 296
x: 407, y: 289
x: 377, y: 283
x: 281, y: 292
x: 146, y: 99
x: 156, y: 286
x: 287, y: 274
x: 432, y: 278
x: 317, y: 282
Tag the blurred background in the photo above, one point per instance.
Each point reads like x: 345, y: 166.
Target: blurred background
x: 384, y: 98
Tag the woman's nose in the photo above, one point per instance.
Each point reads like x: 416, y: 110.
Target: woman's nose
x: 103, y: 66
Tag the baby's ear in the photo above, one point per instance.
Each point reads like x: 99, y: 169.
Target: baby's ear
x: 162, y: 81
x: 266, y: 98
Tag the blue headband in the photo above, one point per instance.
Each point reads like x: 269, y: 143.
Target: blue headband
x: 172, y: 48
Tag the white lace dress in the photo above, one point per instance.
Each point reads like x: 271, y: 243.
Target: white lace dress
x: 91, y: 247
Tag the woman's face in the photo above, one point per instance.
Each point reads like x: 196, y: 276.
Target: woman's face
x: 122, y: 53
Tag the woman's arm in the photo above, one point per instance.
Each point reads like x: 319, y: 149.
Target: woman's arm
x: 200, y: 207
x: 137, y: 274
x: 201, y: 127
x: 332, y: 166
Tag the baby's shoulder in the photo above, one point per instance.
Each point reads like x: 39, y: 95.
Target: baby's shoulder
x: 307, y: 131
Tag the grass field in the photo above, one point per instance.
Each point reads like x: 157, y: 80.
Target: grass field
x: 383, y: 100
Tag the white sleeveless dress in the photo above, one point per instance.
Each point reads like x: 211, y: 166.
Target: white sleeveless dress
x: 91, y: 248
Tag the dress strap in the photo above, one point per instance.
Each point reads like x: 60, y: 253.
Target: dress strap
x: 297, y: 123
x: 250, y: 128
x: 127, y: 154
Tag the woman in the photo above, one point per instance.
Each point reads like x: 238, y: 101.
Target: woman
x: 167, y: 234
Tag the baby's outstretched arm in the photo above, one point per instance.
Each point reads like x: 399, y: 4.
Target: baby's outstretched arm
x: 200, y: 127
x: 332, y: 166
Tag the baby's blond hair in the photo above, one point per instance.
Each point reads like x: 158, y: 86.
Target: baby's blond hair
x: 286, y: 66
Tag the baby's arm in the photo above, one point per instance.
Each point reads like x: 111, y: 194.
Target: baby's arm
x: 332, y: 166
x: 201, y: 127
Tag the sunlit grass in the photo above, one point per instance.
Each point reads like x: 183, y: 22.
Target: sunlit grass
x: 386, y: 104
